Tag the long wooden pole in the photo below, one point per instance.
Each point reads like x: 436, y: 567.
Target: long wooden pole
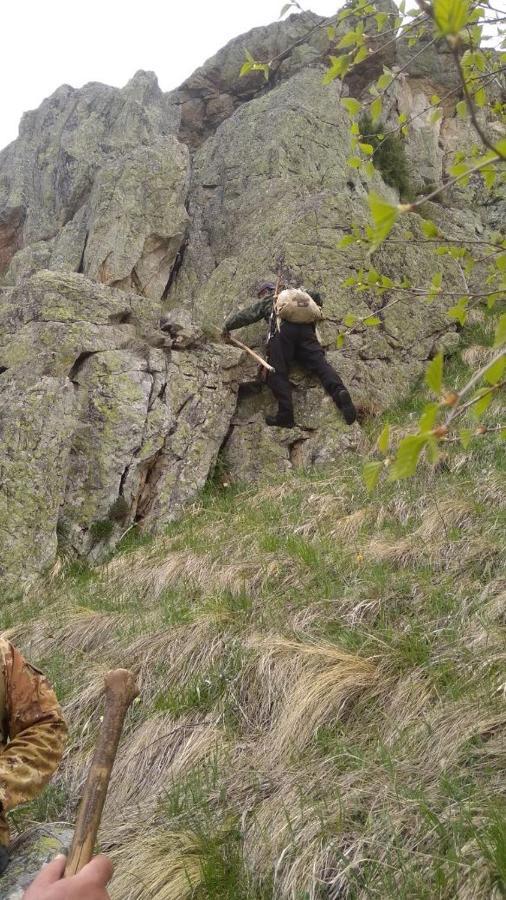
x: 251, y: 352
x: 120, y: 690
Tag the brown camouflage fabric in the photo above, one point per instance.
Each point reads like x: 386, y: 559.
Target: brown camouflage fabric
x: 32, y: 732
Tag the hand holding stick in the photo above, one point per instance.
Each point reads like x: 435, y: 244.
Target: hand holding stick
x: 120, y: 690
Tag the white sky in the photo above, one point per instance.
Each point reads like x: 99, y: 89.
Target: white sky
x: 47, y: 43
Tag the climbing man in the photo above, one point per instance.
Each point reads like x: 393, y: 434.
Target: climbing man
x: 292, y: 315
x: 32, y: 735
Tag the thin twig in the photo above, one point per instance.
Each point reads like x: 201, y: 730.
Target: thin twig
x: 471, y: 383
x: 471, y: 107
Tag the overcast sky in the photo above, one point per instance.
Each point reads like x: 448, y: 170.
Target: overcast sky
x: 51, y: 42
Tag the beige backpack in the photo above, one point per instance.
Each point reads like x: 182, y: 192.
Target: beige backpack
x: 295, y: 305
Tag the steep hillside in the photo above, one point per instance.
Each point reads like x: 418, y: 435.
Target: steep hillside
x: 322, y: 706
x: 124, y: 209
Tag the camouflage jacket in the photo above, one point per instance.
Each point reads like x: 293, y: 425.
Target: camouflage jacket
x: 32, y: 732
x: 262, y: 309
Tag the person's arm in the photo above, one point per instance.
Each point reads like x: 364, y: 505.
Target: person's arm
x: 35, y: 728
x: 259, y: 310
x: 89, y: 884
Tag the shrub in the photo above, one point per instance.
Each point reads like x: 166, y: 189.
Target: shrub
x: 389, y: 156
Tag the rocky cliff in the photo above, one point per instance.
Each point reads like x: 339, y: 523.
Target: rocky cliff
x: 122, y: 208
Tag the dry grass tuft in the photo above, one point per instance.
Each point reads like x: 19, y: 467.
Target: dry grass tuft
x: 477, y: 356
x: 314, y: 684
x: 157, y: 753
x: 152, y: 576
x: 164, y: 866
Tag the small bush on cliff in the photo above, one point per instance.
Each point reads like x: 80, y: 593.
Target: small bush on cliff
x: 389, y: 156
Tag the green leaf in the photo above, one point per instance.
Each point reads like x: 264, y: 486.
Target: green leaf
x: 459, y: 169
x: 429, y: 229
x: 500, y: 263
x: 370, y: 474
x: 407, y: 457
x: 437, y: 280
x: 383, y: 441
x: 349, y: 320
x: 434, y: 100
x: 465, y: 435
x: 354, y: 162
x: 434, y: 374
x: 381, y: 20
x: 436, y: 115
x: 362, y: 54
x: 331, y: 32
x: 384, y: 217
x: 340, y: 341
x: 401, y: 118
x: 351, y: 105
x: 459, y: 312
x: 489, y: 177
x: 495, y: 372
x: 384, y: 80
x: 428, y: 417
x: 432, y: 450
x: 371, y: 321
x: 500, y: 332
x: 346, y: 241
x: 461, y: 109
x: 376, y: 109
x: 450, y: 15
x: 482, y: 404
x: 348, y: 40
x: 480, y: 98
x: 354, y: 129
x: 367, y: 149
x: 339, y: 66
x: 245, y: 68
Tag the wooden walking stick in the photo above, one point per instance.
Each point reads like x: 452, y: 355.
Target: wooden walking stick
x: 256, y: 356
x: 120, y: 690
x: 252, y: 353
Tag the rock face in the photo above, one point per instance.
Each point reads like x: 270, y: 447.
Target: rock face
x: 118, y: 207
x: 29, y: 853
x: 108, y: 194
x: 102, y: 423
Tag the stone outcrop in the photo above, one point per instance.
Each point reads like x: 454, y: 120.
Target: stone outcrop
x: 29, y: 852
x: 123, y: 208
x: 96, y: 183
x: 103, y: 423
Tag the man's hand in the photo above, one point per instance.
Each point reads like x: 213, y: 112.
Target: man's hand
x: 89, y: 884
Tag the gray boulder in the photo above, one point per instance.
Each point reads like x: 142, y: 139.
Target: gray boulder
x: 29, y: 852
x: 102, y: 424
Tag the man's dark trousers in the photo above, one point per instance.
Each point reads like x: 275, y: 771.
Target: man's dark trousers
x: 298, y: 343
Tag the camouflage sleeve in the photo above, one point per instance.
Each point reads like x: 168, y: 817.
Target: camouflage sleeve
x: 35, y: 728
x: 253, y: 313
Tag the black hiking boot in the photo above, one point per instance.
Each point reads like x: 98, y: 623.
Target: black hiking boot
x: 344, y: 402
x: 280, y: 421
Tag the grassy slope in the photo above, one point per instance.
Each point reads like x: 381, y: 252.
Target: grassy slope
x: 322, y: 709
